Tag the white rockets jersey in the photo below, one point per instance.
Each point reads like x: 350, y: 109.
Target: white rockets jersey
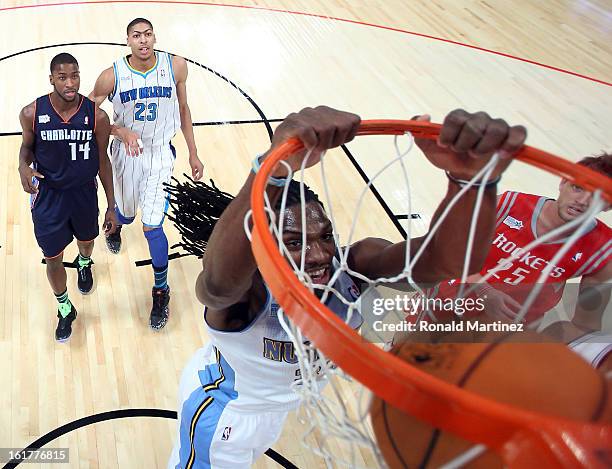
x: 258, y: 365
x: 146, y: 102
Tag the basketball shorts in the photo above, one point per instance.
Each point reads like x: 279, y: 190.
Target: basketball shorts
x: 139, y: 181
x: 212, y: 433
x: 593, y: 347
x: 59, y: 215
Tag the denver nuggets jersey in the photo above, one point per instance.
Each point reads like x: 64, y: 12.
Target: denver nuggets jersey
x: 256, y: 367
x: 146, y: 102
x: 65, y: 152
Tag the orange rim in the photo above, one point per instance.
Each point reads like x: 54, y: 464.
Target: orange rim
x: 523, y: 439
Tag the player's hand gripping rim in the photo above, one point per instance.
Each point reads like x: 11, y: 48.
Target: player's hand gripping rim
x: 468, y: 140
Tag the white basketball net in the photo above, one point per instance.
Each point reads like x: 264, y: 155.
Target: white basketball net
x: 336, y: 415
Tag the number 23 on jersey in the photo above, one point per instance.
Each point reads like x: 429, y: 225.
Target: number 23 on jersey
x: 143, y: 111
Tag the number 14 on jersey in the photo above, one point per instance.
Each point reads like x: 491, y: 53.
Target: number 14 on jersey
x: 83, y: 148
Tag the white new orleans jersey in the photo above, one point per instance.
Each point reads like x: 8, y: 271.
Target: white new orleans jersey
x: 146, y: 102
x: 261, y: 359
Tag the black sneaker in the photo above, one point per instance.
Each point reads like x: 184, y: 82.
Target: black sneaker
x: 160, y: 310
x: 85, y: 277
x: 64, y: 325
x: 113, y: 241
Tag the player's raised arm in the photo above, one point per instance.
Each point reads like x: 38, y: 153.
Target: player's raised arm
x: 229, y: 269
x: 466, y: 143
x: 179, y: 66
x: 105, y: 87
x: 26, y: 151
x: 102, y: 132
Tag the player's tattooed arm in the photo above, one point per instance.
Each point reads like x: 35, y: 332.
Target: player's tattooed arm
x: 179, y: 66
x: 104, y: 88
x: 106, y: 171
x: 26, y: 151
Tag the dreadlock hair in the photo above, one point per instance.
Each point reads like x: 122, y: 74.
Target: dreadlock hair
x: 197, y: 206
x: 62, y: 58
x: 600, y: 163
x: 294, y: 196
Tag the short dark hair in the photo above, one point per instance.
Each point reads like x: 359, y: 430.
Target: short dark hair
x: 63, y: 58
x: 294, y: 197
x: 135, y: 21
x: 600, y: 163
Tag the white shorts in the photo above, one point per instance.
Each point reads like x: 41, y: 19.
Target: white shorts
x: 139, y: 182
x: 593, y: 347
x: 212, y: 433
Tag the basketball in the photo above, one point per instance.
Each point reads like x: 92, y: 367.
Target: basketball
x: 547, y: 378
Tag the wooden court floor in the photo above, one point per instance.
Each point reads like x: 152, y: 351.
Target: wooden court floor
x: 252, y: 62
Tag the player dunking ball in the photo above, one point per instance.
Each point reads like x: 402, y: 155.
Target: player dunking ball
x: 148, y: 92
x: 63, y: 148
x: 235, y: 393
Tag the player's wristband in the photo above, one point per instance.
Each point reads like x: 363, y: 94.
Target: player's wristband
x: 278, y: 182
x: 476, y: 185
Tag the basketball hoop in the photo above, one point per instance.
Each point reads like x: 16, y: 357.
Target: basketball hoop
x: 523, y: 439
